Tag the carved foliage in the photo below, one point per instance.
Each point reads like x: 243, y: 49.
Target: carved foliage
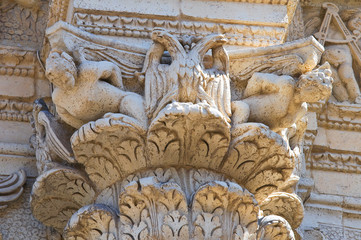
x: 176, y: 203
x: 149, y: 209
x: 275, y: 227
x: 92, y: 222
x: 23, y: 22
x: 110, y: 148
x: 224, y: 210
x: 59, y: 193
x: 286, y: 205
x: 259, y: 159
x: 152, y: 209
x: 187, y: 134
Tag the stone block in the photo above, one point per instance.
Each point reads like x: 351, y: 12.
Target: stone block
x: 17, y: 86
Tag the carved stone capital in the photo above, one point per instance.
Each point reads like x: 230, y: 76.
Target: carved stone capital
x: 182, y: 157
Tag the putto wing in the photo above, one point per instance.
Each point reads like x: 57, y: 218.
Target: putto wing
x: 116, y: 56
x: 86, y: 46
x: 292, y: 58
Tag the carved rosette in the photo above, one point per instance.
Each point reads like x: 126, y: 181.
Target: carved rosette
x: 187, y: 172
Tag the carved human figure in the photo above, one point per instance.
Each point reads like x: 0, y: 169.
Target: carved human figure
x: 280, y: 101
x: 339, y: 55
x: 85, y: 93
x: 345, y: 87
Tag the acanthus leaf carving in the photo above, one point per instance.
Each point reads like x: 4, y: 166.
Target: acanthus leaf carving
x: 150, y: 204
x: 287, y: 205
x: 260, y: 159
x: 58, y: 194
x: 110, y: 148
x: 92, y: 222
x: 167, y: 136
x: 168, y: 162
x: 150, y: 209
x: 275, y: 227
x: 221, y: 209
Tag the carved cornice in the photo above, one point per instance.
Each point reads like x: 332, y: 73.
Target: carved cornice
x: 328, y: 160
x: 17, y: 71
x: 316, y: 107
x: 339, y: 232
x: 12, y: 110
x: 22, y: 62
x: 341, y: 116
x: 340, y: 125
x: 16, y: 149
x: 336, y: 203
x: 349, y: 207
x: 345, y: 109
x: 141, y: 27
x: 17, y: 65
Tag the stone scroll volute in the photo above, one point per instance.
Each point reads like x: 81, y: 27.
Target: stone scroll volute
x: 160, y: 147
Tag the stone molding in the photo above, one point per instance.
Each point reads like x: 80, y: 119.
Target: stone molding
x: 137, y: 27
x: 15, y: 111
x: 328, y: 160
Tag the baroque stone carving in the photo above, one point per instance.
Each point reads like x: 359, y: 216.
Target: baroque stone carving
x: 15, y: 110
x: 95, y: 86
x: 11, y: 187
x: 342, y: 49
x: 181, y: 19
x: 291, y: 96
x: 180, y: 160
x: 22, y: 22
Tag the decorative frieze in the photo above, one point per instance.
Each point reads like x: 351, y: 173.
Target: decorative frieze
x: 23, y: 23
x: 11, y: 110
x: 348, y: 162
x: 141, y: 27
x: 339, y: 232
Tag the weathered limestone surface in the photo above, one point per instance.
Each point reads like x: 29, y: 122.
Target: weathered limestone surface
x: 333, y: 208
x: 180, y: 119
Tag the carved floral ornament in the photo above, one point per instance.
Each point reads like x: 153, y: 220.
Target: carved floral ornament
x: 179, y: 156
